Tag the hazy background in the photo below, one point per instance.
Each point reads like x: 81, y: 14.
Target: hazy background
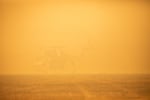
x: 74, y: 37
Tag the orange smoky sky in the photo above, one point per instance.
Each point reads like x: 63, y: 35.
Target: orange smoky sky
x: 74, y: 37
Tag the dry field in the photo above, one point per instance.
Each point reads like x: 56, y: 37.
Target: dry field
x: 81, y: 87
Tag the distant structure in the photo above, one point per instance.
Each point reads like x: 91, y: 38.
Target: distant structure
x: 56, y: 60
